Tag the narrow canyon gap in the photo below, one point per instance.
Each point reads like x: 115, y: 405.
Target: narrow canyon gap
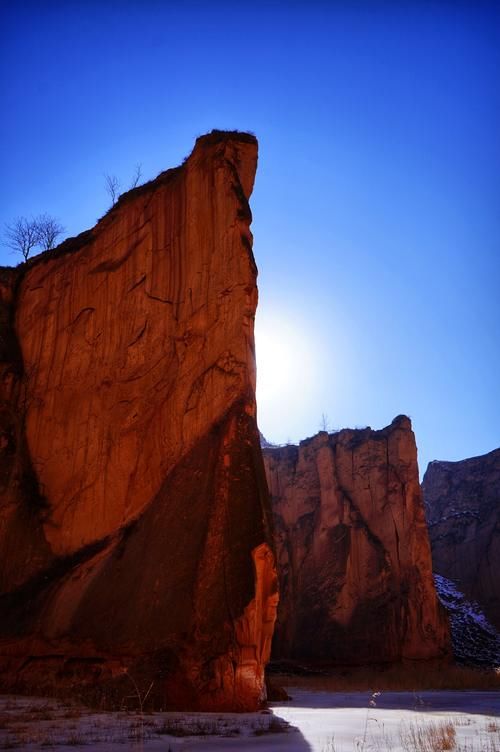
x: 135, y: 525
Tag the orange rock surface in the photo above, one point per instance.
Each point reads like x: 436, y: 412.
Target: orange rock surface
x: 353, y: 550
x: 149, y: 538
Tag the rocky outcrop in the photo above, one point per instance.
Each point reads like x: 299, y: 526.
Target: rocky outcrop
x: 134, y: 512
x: 353, y: 550
x: 475, y: 641
x: 462, y: 502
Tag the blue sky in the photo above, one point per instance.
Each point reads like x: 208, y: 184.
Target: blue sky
x: 377, y: 201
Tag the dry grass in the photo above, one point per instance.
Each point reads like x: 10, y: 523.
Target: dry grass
x: 424, y: 736
x: 428, y: 737
x: 397, y: 678
x: 273, y: 726
x: 41, y: 725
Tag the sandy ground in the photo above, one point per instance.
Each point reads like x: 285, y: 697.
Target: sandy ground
x: 312, y: 721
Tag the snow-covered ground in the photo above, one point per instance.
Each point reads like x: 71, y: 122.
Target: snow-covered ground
x: 317, y: 722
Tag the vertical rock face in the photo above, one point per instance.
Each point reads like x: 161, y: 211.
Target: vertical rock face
x: 353, y: 550
x: 128, y: 403
x: 23, y: 550
x: 462, y: 502
x: 475, y: 641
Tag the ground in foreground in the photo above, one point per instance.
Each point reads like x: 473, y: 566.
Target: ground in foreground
x: 313, y: 721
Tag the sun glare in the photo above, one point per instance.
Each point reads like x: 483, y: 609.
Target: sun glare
x: 286, y: 374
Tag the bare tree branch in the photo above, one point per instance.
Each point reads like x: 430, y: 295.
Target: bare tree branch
x: 136, y: 176
x: 22, y: 235
x: 324, y: 423
x: 112, y: 185
x: 49, y: 230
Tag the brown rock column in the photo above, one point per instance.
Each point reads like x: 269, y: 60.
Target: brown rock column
x: 139, y: 370
x: 353, y: 550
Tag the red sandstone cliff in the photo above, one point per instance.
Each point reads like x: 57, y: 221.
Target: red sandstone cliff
x: 353, y: 550
x: 462, y: 502
x: 134, y: 523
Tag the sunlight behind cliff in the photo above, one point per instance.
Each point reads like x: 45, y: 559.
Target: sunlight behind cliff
x: 288, y: 375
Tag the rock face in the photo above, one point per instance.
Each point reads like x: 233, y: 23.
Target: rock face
x: 475, y: 641
x: 462, y: 502
x: 353, y: 550
x: 134, y: 512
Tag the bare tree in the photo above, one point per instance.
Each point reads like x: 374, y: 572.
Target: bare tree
x: 49, y: 230
x: 112, y: 185
x: 325, y: 423
x: 22, y: 235
x: 136, y: 176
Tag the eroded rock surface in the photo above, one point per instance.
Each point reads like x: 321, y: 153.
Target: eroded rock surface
x: 475, y: 641
x: 134, y: 511
x: 353, y: 550
x: 462, y: 502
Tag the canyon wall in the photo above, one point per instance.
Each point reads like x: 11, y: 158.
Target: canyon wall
x: 462, y: 501
x: 353, y: 551
x: 134, y: 518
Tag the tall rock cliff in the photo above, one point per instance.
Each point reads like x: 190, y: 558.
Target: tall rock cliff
x: 134, y: 522
x: 353, y: 550
x: 462, y: 502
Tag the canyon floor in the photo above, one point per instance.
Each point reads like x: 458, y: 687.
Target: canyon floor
x: 312, y: 721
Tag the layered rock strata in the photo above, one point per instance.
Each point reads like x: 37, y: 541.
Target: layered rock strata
x: 353, y: 550
x: 134, y: 512
x: 462, y: 502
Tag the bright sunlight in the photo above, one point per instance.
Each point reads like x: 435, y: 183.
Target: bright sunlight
x: 287, y: 366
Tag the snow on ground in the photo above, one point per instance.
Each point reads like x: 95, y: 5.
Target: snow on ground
x: 312, y: 721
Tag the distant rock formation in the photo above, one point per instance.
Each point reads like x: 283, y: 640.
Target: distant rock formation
x: 263, y: 441
x: 134, y: 517
x: 462, y: 501
x: 475, y: 641
x: 353, y: 551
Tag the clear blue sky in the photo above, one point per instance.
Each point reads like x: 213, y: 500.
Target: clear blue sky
x: 377, y: 201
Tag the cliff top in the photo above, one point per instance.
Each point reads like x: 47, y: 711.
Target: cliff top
x: 478, y: 459
x: 353, y: 435
x: 75, y: 243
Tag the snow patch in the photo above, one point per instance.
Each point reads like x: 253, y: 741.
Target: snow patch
x: 475, y: 641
